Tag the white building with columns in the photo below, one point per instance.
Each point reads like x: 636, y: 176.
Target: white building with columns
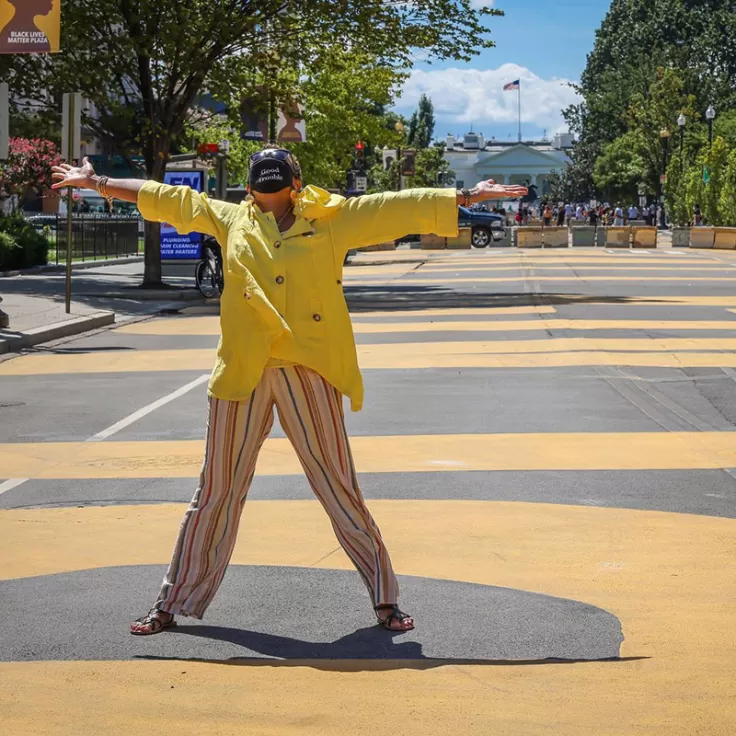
x: 474, y: 159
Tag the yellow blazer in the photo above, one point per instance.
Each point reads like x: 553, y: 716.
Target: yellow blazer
x: 283, y: 297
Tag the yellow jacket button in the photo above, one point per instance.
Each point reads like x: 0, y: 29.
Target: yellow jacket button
x: 277, y: 244
x: 279, y: 279
x: 316, y: 317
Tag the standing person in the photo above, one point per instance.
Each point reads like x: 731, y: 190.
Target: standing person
x: 593, y: 217
x: 560, y: 214
x: 286, y: 342
x: 697, y: 216
x: 633, y: 213
x: 579, y: 212
x: 547, y: 215
x: 569, y: 211
x: 618, y: 216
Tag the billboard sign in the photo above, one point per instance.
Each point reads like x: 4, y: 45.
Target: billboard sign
x: 30, y: 26
x: 176, y: 247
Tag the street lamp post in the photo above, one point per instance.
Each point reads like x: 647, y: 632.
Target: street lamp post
x: 710, y: 115
x: 681, y: 121
x: 399, y: 127
x: 664, y: 136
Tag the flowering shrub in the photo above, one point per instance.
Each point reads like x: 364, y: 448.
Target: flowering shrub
x: 28, y: 166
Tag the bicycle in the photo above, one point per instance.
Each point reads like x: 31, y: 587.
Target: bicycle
x: 208, y: 273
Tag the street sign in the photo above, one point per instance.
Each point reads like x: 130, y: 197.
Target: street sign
x: 28, y: 27
x: 361, y: 183
x: 76, y: 126
x: 173, y: 245
x: 4, y: 121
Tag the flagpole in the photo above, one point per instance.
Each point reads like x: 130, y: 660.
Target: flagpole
x: 519, y: 112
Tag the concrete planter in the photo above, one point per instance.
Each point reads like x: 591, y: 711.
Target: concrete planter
x: 530, y: 237
x: 584, y: 237
x: 644, y: 237
x: 555, y: 237
x: 461, y: 242
x: 617, y: 237
x: 702, y: 237
x: 433, y: 242
x: 680, y: 237
x: 725, y: 238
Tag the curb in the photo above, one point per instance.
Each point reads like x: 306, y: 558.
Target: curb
x: 386, y: 263
x: 13, y: 343
x: 75, y: 266
x: 153, y: 295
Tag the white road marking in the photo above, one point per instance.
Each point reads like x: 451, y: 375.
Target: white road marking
x: 136, y: 415
x: 11, y: 483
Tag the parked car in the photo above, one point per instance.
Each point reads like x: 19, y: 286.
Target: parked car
x: 485, y: 227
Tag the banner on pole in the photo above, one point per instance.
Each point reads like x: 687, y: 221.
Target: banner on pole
x: 254, y: 116
x: 291, y: 126
x: 30, y: 26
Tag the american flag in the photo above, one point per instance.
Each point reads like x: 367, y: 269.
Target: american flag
x: 512, y: 86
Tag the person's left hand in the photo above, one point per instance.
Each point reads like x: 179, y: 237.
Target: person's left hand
x: 490, y: 190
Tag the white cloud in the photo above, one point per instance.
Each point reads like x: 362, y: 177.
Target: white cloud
x: 478, y: 4
x: 476, y: 96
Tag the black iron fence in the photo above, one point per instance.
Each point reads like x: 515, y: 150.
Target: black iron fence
x: 95, y: 237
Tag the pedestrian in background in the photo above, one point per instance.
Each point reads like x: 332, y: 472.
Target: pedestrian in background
x: 618, y: 216
x: 295, y: 354
x: 697, y: 216
x: 560, y: 214
x: 547, y: 215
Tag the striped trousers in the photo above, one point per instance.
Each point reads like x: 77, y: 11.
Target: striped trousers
x: 311, y: 414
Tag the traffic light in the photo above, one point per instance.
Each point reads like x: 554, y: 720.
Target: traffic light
x: 210, y: 149
x: 360, y: 155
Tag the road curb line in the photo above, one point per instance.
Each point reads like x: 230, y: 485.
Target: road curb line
x: 75, y: 326
x: 51, y: 268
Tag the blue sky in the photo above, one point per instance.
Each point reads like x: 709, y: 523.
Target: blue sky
x: 544, y: 44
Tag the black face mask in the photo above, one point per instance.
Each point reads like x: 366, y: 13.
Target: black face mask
x: 270, y: 175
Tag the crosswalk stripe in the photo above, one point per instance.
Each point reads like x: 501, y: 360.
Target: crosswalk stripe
x: 211, y: 326
x: 388, y: 454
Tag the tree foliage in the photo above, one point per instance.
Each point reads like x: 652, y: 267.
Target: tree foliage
x: 693, y: 39
x: 144, y: 65
x: 27, y: 168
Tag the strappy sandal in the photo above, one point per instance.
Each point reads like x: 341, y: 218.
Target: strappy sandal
x: 395, y: 615
x: 156, y: 624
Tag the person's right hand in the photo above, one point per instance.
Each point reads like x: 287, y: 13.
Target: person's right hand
x: 73, y: 176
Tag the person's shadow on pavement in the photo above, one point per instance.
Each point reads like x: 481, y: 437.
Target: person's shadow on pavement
x: 370, y: 648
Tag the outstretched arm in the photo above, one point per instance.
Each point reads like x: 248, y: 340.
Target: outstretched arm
x: 377, y: 218
x: 184, y: 208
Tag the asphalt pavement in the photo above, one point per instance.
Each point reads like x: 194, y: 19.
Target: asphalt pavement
x: 547, y: 445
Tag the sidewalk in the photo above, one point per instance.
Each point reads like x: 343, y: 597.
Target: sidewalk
x: 101, y: 295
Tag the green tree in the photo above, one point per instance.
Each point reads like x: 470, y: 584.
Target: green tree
x: 144, y: 65
x: 620, y: 168
x: 421, y: 124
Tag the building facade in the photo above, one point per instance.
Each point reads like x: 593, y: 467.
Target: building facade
x: 473, y: 159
